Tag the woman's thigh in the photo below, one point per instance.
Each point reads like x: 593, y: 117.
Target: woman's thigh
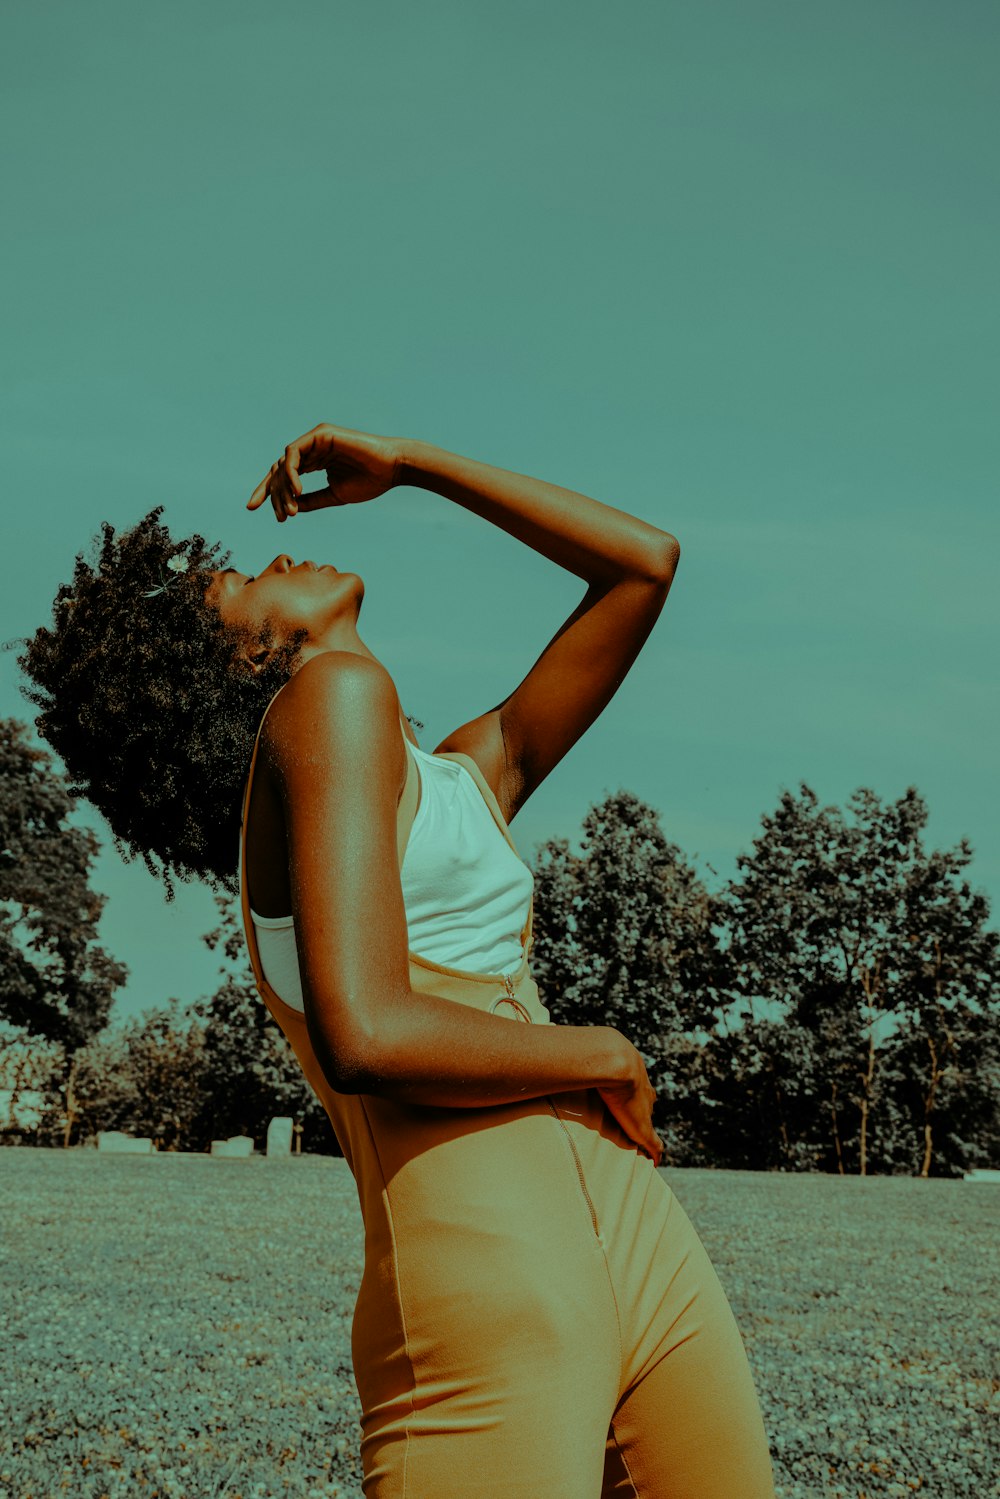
x: 689, y: 1424
x: 528, y: 1431
x: 486, y: 1341
x: 514, y: 1375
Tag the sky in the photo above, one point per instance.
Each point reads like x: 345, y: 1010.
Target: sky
x: 730, y: 268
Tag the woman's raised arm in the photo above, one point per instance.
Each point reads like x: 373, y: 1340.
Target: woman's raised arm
x: 334, y: 746
x: 627, y: 563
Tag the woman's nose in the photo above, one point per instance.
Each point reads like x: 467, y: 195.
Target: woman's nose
x: 281, y: 563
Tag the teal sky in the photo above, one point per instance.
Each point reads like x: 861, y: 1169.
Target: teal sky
x: 729, y: 267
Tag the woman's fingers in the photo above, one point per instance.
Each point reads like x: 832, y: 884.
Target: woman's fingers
x: 260, y: 493
x: 633, y: 1108
x: 653, y: 1148
x: 275, y: 489
x: 359, y: 466
x: 264, y: 490
x: 269, y: 489
x: 288, y: 468
x: 281, y: 488
x: 316, y: 499
x: 282, y: 484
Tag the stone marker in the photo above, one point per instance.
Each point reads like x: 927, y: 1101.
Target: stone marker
x: 236, y: 1145
x: 116, y: 1142
x: 279, y: 1136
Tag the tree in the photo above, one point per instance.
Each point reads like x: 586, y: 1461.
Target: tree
x: 186, y: 1075
x: 624, y: 937
x: 844, y: 927
x: 105, y: 1086
x: 56, y: 980
x: 947, y: 1051
x: 251, y: 1071
x: 146, y: 1077
x: 30, y: 1083
x: 166, y: 1068
x: 761, y: 1098
x: 622, y: 930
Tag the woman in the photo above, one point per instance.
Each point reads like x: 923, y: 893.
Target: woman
x: 537, y: 1316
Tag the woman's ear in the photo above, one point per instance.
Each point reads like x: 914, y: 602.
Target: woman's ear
x: 258, y: 656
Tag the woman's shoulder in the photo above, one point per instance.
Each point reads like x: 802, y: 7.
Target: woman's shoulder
x: 331, y: 670
x: 338, y: 704
x: 331, y: 681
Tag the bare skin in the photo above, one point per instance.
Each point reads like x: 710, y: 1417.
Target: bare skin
x: 322, y: 822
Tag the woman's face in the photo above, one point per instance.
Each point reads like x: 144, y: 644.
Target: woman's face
x: 290, y: 597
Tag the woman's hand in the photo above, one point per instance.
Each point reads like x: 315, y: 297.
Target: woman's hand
x: 632, y: 1102
x: 359, y: 466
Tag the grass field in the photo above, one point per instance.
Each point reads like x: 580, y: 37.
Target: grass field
x: 179, y: 1325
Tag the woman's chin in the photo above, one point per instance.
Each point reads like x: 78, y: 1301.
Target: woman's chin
x: 346, y: 582
x: 354, y: 586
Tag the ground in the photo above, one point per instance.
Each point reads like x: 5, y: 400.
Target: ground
x: 178, y: 1326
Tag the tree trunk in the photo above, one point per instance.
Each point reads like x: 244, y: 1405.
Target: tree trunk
x: 937, y: 1072
x: 925, y: 1169
x: 70, y: 1104
x: 866, y: 1077
x: 937, y: 1068
x: 836, y: 1127
x: 866, y: 1080
x: 782, y: 1123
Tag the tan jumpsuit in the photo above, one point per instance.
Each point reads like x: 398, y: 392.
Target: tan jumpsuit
x: 537, y: 1317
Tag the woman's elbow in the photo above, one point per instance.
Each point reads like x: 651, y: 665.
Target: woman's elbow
x: 345, y: 1051
x: 670, y: 556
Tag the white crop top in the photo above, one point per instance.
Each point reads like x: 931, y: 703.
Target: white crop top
x: 465, y: 890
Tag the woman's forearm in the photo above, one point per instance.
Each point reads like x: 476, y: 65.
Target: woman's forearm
x: 430, y: 1050
x: 593, y: 540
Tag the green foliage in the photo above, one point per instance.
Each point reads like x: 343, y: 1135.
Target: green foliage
x: 32, y: 1072
x: 623, y: 930
x: 186, y: 1075
x: 943, y: 1091
x: 146, y: 1078
x: 624, y: 936
x: 253, y: 1072
x: 56, y: 981
x: 878, y: 961
x: 834, y: 1008
x: 105, y: 1090
x: 847, y: 1024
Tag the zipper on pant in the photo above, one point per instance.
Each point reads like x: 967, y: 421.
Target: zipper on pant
x: 509, y: 986
x: 579, y: 1167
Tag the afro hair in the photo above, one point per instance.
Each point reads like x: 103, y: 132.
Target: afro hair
x: 147, y: 700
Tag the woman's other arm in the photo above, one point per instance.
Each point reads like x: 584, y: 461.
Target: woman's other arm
x: 334, y: 746
x: 628, y: 565
x: 597, y: 542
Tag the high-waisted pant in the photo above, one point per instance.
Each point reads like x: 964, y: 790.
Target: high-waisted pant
x: 537, y: 1317
x: 557, y: 1330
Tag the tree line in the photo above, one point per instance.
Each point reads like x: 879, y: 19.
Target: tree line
x: 833, y: 1007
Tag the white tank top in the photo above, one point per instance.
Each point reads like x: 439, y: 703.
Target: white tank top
x: 465, y: 891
